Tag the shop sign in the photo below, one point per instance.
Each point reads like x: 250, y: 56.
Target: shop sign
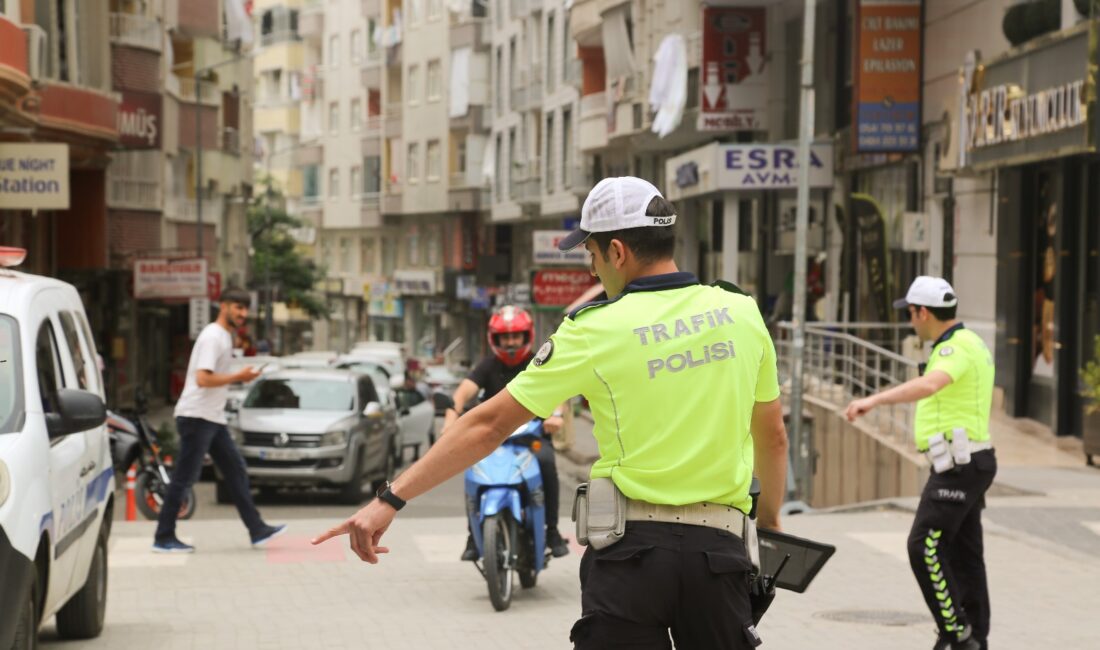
x: 721, y: 167
x: 888, y: 76
x: 198, y: 316
x: 1028, y: 105
x: 159, y: 278
x: 559, y: 288
x: 34, y: 176
x: 383, y: 303
x: 466, y: 287
x: 139, y: 120
x: 518, y: 293
x: 545, y: 249
x: 735, y: 69
x: 435, y: 307
x: 414, y: 283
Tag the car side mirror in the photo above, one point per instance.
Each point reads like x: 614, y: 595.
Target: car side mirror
x: 373, y: 410
x: 77, y: 410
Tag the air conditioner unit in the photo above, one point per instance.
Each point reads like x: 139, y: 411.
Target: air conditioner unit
x: 38, y: 52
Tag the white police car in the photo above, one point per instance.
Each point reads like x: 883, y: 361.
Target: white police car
x: 56, y: 479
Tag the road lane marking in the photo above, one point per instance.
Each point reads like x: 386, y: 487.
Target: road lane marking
x: 294, y: 549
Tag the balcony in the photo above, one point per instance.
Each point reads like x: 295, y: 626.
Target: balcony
x: 391, y: 200
x: 128, y: 193
x: 527, y: 95
x: 279, y: 36
x: 72, y: 112
x: 230, y: 141
x: 474, y: 121
x: 581, y: 179
x: 370, y: 73
x: 523, y: 8
x: 371, y: 144
x: 464, y: 195
x: 370, y: 209
x: 134, y: 30
x: 182, y: 208
x: 309, y: 154
x: 311, y: 22
x: 393, y: 121
x: 281, y: 55
x: 393, y: 55
x: 185, y: 88
x: 593, y: 125
x: 474, y: 33
x: 572, y: 73
x: 527, y: 181
x: 286, y: 118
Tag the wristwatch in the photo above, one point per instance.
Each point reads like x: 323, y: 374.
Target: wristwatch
x: 387, y: 495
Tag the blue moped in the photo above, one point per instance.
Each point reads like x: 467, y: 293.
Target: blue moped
x: 506, y: 506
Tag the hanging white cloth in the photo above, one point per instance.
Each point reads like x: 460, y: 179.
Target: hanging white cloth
x: 459, y: 97
x: 668, y: 89
x: 488, y: 163
x: 238, y: 25
x: 617, y: 52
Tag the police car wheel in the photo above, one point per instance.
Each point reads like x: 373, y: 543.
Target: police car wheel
x: 497, y: 533
x: 26, y: 630
x: 82, y: 617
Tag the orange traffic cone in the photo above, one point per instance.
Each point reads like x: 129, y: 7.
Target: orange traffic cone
x: 131, y: 501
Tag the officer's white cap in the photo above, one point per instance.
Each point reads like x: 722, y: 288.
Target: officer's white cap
x: 928, y: 291
x: 616, y: 204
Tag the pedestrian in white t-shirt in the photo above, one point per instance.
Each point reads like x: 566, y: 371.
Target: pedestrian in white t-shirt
x: 200, y: 419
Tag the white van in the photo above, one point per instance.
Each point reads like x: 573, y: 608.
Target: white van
x: 56, y: 481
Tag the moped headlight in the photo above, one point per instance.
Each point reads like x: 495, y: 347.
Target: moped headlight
x: 5, y: 483
x: 334, y: 438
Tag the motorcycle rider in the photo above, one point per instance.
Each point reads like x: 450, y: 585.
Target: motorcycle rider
x: 511, y: 333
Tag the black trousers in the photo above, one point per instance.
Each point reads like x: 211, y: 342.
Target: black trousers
x: 197, y: 437
x: 548, y: 467
x: 692, y: 581
x: 946, y: 550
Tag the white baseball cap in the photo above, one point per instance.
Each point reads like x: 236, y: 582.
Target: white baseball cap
x: 616, y: 204
x: 927, y: 291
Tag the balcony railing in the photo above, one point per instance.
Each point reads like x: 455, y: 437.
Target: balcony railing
x: 280, y: 36
x: 137, y: 31
x: 184, y: 208
x: 231, y: 140
x: 186, y: 87
x: 133, y: 194
x: 373, y: 124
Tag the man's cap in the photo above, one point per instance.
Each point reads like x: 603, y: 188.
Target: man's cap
x: 927, y: 291
x: 615, y: 204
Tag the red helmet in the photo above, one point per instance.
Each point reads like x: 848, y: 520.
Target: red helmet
x: 506, y: 321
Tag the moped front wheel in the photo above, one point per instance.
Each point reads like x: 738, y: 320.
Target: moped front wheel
x: 497, y: 533
x: 149, y: 494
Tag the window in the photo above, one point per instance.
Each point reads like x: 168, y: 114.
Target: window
x: 513, y: 160
x: 81, y: 363
x: 334, y: 50
x: 389, y: 256
x: 374, y: 36
x: 498, y: 162
x: 413, y: 7
x: 334, y: 117
x: 414, y: 162
x: 549, y: 75
x: 412, y: 240
x: 334, y: 182
x: 345, y: 254
x: 356, y: 114
x: 356, y: 46
x: 566, y: 146
x: 356, y: 181
x: 499, y: 95
x: 49, y: 367
x: 372, y: 174
x: 435, y: 161
x: 549, y: 165
x: 513, y: 68
x: 311, y: 182
x: 433, y: 244
x: 435, y: 80
x: 413, y: 84
x: 366, y: 255
x: 460, y: 156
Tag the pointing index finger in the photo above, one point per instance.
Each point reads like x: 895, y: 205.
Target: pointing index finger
x: 335, y: 531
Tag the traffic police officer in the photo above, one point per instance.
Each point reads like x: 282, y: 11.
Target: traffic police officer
x: 682, y: 382
x: 954, y: 394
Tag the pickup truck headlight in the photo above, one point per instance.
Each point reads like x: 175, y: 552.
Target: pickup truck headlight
x: 5, y: 483
x: 334, y: 438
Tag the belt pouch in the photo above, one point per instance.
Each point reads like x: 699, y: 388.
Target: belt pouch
x: 960, y: 446
x: 606, y: 513
x: 580, y: 513
x: 939, y: 454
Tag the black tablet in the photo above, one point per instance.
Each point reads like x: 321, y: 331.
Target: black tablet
x: 807, y: 558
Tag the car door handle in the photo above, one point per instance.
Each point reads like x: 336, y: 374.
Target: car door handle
x: 87, y: 469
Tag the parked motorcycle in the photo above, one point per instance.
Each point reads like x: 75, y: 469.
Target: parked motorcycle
x: 134, y: 444
x: 507, y: 511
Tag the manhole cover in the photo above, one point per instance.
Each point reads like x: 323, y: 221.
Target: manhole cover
x: 873, y: 617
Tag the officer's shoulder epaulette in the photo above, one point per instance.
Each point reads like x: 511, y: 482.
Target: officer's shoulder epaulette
x: 729, y: 286
x: 593, y: 305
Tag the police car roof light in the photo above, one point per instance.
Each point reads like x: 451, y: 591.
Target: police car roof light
x: 10, y: 256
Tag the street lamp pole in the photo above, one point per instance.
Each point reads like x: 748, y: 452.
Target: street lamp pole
x: 799, y: 445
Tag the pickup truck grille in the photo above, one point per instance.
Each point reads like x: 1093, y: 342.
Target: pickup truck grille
x: 265, y: 439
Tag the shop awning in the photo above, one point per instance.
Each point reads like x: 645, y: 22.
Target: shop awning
x: 588, y: 296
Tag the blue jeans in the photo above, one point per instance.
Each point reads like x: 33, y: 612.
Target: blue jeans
x: 196, y: 438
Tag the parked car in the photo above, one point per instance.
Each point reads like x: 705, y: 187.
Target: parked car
x: 57, y: 482
x: 237, y: 391
x: 387, y: 353
x: 310, y: 359
x: 318, y: 428
x: 415, y: 411
x: 441, y: 379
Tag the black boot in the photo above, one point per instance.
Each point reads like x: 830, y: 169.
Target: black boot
x: 558, y: 547
x: 964, y: 641
x: 470, y: 554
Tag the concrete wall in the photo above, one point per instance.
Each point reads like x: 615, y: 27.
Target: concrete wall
x: 855, y: 463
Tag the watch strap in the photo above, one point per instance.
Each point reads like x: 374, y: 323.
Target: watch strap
x: 387, y: 495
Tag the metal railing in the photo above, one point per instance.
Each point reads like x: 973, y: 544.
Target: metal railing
x: 840, y: 366
x: 137, y: 30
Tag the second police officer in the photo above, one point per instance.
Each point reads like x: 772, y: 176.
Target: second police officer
x: 681, y: 378
x: 954, y: 395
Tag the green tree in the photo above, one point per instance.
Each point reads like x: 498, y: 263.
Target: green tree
x: 279, y: 270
